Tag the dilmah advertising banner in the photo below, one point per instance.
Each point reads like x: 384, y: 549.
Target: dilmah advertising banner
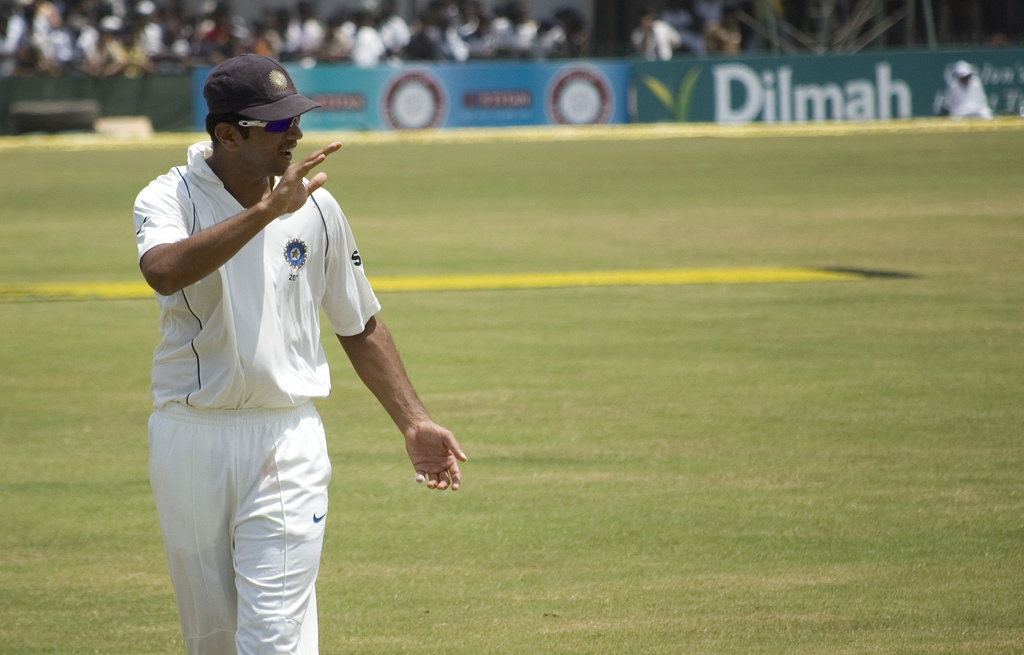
x: 800, y: 89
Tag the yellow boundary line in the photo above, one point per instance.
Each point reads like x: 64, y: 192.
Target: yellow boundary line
x: 607, y: 278
x: 135, y: 290
x: 632, y: 132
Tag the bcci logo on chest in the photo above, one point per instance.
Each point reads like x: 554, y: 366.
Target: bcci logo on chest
x: 295, y: 255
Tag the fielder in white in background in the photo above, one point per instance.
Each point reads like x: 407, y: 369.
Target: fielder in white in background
x: 243, y: 253
x: 965, y: 96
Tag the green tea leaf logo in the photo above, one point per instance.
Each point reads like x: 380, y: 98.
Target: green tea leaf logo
x: 680, y: 105
x: 659, y: 90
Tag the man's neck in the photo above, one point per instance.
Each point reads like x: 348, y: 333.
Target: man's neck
x: 246, y: 190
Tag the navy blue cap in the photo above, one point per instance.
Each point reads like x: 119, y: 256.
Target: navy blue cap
x: 255, y: 87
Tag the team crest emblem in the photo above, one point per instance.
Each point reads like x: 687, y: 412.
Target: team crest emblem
x: 580, y: 96
x: 295, y: 253
x: 413, y: 101
x: 279, y: 81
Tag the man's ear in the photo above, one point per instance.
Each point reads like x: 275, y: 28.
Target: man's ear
x: 228, y: 135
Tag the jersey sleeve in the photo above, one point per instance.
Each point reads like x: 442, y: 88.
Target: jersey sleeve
x: 163, y: 213
x: 349, y: 301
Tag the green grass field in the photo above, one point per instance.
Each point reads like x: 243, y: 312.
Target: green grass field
x: 809, y: 468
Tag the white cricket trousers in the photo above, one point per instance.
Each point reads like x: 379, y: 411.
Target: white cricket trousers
x: 242, y: 501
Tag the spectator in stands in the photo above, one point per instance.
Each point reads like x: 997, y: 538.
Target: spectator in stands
x: 179, y: 31
x: 339, y: 38
x: 304, y: 34
x: 434, y: 39
x: 19, y: 26
x: 515, y: 31
x: 469, y: 19
x: 725, y: 36
x: 550, y: 41
x: 708, y: 11
x: 117, y: 8
x: 575, y: 28
x: 8, y: 49
x: 218, y: 39
x: 59, y: 47
x: 655, y: 39
x: 452, y: 11
x: 85, y: 33
x: 109, y: 57
x: 394, y: 31
x: 368, y: 48
x: 47, y: 18
x: 40, y: 26
x: 561, y: 36
x: 965, y: 96
x: 266, y: 36
x: 147, y: 16
x: 30, y: 62
x: 680, y: 15
x: 482, y: 42
x: 425, y: 40
x: 137, y: 62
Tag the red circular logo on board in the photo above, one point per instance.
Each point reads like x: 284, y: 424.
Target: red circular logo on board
x: 414, y: 101
x: 580, y: 96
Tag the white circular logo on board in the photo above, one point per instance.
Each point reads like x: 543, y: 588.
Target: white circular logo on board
x: 414, y: 101
x: 580, y: 96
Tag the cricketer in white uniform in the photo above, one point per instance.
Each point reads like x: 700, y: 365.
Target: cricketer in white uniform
x: 243, y: 252
x: 965, y: 96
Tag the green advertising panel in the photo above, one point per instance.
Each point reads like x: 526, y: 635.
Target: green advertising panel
x: 799, y: 89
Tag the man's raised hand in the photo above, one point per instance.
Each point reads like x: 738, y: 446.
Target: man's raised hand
x: 291, y: 193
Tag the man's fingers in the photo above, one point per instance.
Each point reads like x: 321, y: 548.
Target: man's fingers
x: 329, y: 148
x: 317, y: 157
x: 307, y: 164
x: 317, y: 182
x: 441, y: 481
x: 435, y: 453
x: 454, y: 446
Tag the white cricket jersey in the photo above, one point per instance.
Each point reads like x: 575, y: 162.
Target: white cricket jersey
x: 966, y: 101
x: 248, y: 335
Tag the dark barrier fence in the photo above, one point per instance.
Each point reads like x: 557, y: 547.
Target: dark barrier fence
x: 165, y: 99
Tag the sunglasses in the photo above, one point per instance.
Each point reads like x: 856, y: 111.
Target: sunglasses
x: 271, y: 126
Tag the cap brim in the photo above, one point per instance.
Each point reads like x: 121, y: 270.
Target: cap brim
x: 279, y: 110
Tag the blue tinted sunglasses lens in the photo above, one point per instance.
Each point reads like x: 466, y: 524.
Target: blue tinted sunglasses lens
x: 279, y: 126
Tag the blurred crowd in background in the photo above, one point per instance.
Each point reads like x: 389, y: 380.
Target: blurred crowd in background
x: 132, y: 38
x: 702, y: 27
x: 137, y: 37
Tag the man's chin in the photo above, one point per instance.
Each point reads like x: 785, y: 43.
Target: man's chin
x: 280, y: 169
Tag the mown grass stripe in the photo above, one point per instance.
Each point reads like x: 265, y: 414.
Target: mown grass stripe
x: 128, y: 290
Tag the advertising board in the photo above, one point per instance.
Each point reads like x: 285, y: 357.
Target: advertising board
x: 468, y: 95
x: 799, y: 89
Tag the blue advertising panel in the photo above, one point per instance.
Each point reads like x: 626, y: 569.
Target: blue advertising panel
x: 468, y: 95
x: 348, y: 96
